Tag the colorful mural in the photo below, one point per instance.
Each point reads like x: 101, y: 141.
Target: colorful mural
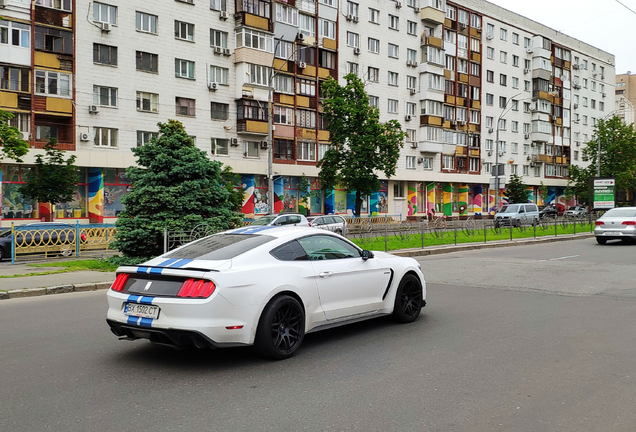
x: 95, y: 195
x: 447, y: 188
x: 412, y: 198
x: 383, y: 197
x: 330, y: 201
x: 430, y: 197
x: 530, y: 194
x: 341, y: 201
x: 373, y: 203
x: 463, y: 199
x: 248, y: 195
x: 279, y: 193
x: 476, y: 206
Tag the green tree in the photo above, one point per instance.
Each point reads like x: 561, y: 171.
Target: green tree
x: 617, y: 144
x: 304, y: 193
x: 543, y: 190
x: 362, y: 145
x: 12, y: 146
x: 53, y: 180
x: 516, y: 191
x: 175, y: 186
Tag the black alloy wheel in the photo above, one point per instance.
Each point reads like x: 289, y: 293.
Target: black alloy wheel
x: 281, y: 328
x: 601, y: 240
x: 408, y: 299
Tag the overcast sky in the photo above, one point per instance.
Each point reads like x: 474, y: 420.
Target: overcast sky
x: 604, y: 24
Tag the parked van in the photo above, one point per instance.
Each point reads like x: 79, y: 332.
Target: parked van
x: 517, y: 215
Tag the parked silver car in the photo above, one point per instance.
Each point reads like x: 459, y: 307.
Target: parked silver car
x: 281, y: 219
x: 333, y: 223
x: 616, y: 224
x: 517, y: 215
x: 575, y: 211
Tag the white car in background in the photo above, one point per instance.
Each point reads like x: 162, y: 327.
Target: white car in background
x: 333, y: 223
x: 281, y: 219
x: 262, y: 286
x: 616, y: 224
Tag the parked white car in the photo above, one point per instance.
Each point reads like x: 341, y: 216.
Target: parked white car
x: 281, y: 219
x: 334, y: 223
x: 263, y: 286
x: 616, y: 224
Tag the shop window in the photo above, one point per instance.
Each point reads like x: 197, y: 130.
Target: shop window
x: 116, y: 186
x: 14, y: 205
x: 77, y: 207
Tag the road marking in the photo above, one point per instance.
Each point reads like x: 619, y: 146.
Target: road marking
x: 560, y: 258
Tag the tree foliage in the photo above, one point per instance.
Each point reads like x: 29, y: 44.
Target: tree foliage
x: 362, y: 145
x: 12, y: 146
x: 617, y: 143
x: 516, y: 191
x: 53, y: 180
x: 177, y: 187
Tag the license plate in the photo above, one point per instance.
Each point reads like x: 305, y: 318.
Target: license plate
x: 612, y: 233
x: 141, y: 310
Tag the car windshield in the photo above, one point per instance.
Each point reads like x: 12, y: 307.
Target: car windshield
x: 514, y: 208
x: 572, y: 208
x: 265, y: 220
x: 5, y: 233
x: 220, y: 246
x: 618, y: 213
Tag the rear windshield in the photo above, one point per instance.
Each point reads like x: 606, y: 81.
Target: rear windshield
x: 626, y: 213
x: 220, y: 246
x: 265, y: 220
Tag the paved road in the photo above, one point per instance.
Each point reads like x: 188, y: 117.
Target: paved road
x: 485, y: 356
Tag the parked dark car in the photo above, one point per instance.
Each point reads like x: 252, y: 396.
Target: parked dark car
x: 50, y: 234
x: 548, y: 212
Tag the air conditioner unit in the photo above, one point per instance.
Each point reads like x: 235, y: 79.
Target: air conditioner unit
x: 532, y: 164
x: 604, y: 94
x: 349, y: 17
x: 409, y: 62
x: 528, y: 158
x: 264, y: 145
x: 416, y: 10
x: 302, y: 65
x: 575, y: 66
x: 527, y: 136
x: 462, y: 123
x: 420, y: 160
x: 529, y: 50
x: 563, y: 78
x: 93, y: 109
x: 223, y: 15
x: 490, y: 35
x: 489, y: 152
x: 398, y: 4
x: 594, y: 73
x: 218, y: 50
x: 526, y: 71
x: 105, y: 26
x: 414, y: 145
x: 576, y: 106
x: 490, y: 130
x: 533, y: 106
x: 413, y: 91
x: 408, y: 117
x: 578, y: 144
x: 300, y: 37
x: 413, y: 63
x: 453, y: 123
x: 227, y: 52
x: 355, y: 19
x: 25, y: 136
x: 576, y: 87
x: 85, y: 137
x: 212, y: 86
x: 3, y: 3
x: 356, y: 51
x: 602, y: 77
x: 234, y: 142
x: 535, y: 158
x: 462, y: 26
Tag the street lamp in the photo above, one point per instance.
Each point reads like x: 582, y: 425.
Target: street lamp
x: 501, y: 116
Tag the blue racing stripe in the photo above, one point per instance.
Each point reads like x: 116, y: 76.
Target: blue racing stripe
x: 146, y: 322
x: 132, y: 320
x: 180, y: 263
x: 133, y: 298
x: 143, y: 269
x: 167, y: 262
x: 156, y: 270
x: 146, y: 300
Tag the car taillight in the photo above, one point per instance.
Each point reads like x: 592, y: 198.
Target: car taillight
x: 629, y: 223
x: 120, y: 281
x: 599, y: 223
x: 196, y: 288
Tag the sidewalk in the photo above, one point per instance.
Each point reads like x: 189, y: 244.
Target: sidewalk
x: 28, y: 286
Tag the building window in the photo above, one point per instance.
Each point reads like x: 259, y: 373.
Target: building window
x: 218, y: 38
x: 246, y: 37
x: 145, y: 22
x: 353, y: 39
x: 144, y: 137
x: 503, y: 34
x: 352, y: 8
x: 105, y: 137
x: 283, y: 149
x: 374, y: 16
x: 147, y: 62
x: 16, y: 79
x: 394, y: 22
x: 283, y: 115
x: 50, y: 83
x: 307, y: 25
x: 411, y: 82
x: 373, y: 74
x: 473, y: 164
x: 490, y: 53
x: 220, y: 146
x: 104, y: 13
x: 410, y: 162
x: 374, y: 46
x: 259, y: 74
x: 185, y: 106
x: 283, y: 50
x: 306, y: 119
x: 322, y: 149
x: 490, y: 76
x: 184, y: 68
x: 394, y: 51
x: 218, y: 75
x: 184, y: 31
x: 65, y: 5
x: 305, y: 87
x: 147, y: 102
x: 326, y: 29
x: 251, y: 149
x: 220, y: 111
x: 374, y: 101
x: 286, y: 14
x: 398, y: 189
x: 393, y: 78
x: 489, y: 99
x: 249, y: 109
x: 105, y: 96
x: 105, y: 54
x: 448, y: 162
x: 427, y: 163
x: 218, y: 5
x: 306, y: 150
x: 503, y: 57
x: 48, y: 39
x: 283, y: 84
x: 393, y: 106
x: 17, y: 34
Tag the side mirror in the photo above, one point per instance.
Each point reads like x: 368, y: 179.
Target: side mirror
x: 367, y: 254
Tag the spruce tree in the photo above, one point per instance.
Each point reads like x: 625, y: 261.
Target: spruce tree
x: 516, y: 191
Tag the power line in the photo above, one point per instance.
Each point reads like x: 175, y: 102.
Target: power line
x: 626, y: 7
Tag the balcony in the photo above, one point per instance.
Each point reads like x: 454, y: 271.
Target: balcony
x: 253, y: 127
x: 431, y: 15
x: 428, y: 120
x: 433, y: 41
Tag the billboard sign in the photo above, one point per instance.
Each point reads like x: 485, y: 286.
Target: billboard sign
x: 603, y: 192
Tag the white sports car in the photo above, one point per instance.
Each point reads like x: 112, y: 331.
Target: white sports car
x: 262, y: 286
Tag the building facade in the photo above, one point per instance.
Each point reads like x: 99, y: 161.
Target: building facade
x: 626, y: 97
x: 473, y: 85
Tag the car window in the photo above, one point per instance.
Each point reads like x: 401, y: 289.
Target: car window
x: 293, y: 219
x: 220, y: 246
x: 511, y: 209
x: 522, y: 209
x: 291, y: 251
x: 628, y: 213
x: 319, y: 247
x: 330, y: 220
x: 265, y: 220
x: 338, y: 219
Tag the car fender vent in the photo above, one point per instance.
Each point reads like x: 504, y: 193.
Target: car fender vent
x: 388, y: 286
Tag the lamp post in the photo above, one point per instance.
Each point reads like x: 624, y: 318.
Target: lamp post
x: 501, y: 116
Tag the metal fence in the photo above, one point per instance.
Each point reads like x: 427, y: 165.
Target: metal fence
x: 28, y: 242
x: 391, y: 234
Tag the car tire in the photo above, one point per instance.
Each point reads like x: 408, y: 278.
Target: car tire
x: 601, y: 240
x: 281, y: 328
x: 1, y: 254
x: 338, y: 231
x: 408, y: 299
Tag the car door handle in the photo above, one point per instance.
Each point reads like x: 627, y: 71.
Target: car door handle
x: 325, y: 274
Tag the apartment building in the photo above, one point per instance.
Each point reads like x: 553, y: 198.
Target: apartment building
x: 625, y: 97
x: 244, y: 78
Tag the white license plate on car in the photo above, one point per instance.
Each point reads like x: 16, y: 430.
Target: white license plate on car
x: 612, y: 233
x: 141, y: 310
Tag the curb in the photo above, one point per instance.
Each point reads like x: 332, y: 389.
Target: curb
x: 436, y: 250
x: 58, y: 289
